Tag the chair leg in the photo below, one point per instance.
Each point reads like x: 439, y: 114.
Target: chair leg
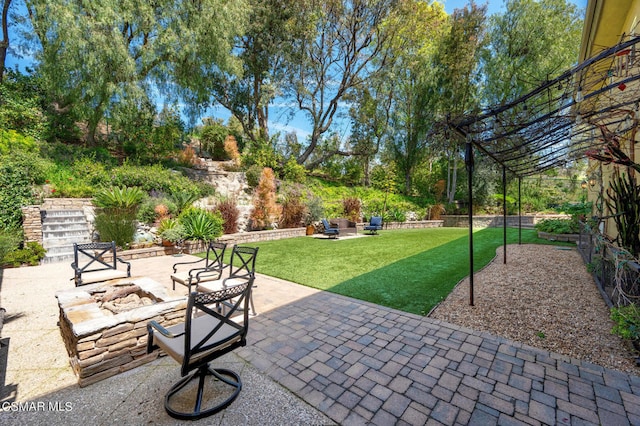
x: 228, y: 377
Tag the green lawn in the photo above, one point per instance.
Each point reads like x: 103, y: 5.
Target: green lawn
x: 411, y: 270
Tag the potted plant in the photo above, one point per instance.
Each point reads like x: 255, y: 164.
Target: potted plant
x: 166, y: 225
x: 315, y: 212
x: 174, y: 235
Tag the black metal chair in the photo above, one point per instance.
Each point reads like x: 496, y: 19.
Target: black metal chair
x: 211, y: 271
x: 97, y: 262
x: 375, y: 225
x: 209, y: 331
x: 328, y: 230
x: 242, y: 267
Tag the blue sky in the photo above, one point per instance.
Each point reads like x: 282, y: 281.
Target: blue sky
x: 299, y: 124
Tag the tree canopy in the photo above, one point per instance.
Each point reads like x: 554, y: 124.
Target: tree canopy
x: 110, y: 72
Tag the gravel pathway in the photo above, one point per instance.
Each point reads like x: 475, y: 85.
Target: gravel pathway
x: 543, y: 297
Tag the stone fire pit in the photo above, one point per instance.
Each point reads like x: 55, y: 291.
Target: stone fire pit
x: 104, y: 325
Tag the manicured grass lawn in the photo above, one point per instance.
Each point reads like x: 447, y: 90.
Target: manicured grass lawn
x: 411, y: 270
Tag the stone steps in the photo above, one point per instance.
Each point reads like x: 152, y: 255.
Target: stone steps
x: 60, y: 229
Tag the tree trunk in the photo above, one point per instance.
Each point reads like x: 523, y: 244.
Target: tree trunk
x: 4, y: 43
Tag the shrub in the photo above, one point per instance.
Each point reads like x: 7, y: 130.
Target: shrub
x: 147, y: 211
x: 264, y: 201
x: 116, y: 220
x: 18, y: 172
x: 231, y: 149
x: 175, y: 233
x: 314, y: 210
x: 351, y: 207
x: 166, y: 224
x: 293, y: 171
x: 9, y: 241
x: 31, y: 254
x: 115, y: 224
x: 212, y: 139
x: 627, y: 319
x: 187, y: 157
x: 156, y: 179
x: 230, y: 214
x: 293, y: 208
x: 11, y: 141
x: 200, y: 224
x: 558, y: 226
x: 91, y: 172
x: 253, y: 174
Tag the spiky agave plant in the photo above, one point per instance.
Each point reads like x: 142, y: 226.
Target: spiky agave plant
x: 200, y: 224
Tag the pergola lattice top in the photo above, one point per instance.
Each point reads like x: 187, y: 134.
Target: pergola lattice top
x: 586, y: 107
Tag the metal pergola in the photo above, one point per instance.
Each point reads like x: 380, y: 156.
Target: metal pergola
x: 587, y: 108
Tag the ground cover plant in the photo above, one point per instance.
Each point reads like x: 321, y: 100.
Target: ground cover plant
x: 411, y: 270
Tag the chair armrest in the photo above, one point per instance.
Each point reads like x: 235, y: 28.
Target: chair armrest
x: 121, y: 260
x: 154, y: 325
x: 175, y: 269
x: 205, y: 270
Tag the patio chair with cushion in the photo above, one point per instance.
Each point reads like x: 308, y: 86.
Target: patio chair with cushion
x: 330, y: 231
x: 375, y: 224
x: 210, y: 271
x: 206, y: 334
x: 242, y: 268
x: 97, y: 262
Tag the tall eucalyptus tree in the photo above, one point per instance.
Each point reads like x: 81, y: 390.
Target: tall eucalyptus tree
x: 100, y: 53
x: 417, y: 28
x: 531, y: 42
x: 344, y: 42
x: 456, y: 83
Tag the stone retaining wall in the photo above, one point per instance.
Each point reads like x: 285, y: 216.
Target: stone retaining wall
x: 66, y: 203
x: 32, y: 224
x: 415, y: 224
x: 258, y: 236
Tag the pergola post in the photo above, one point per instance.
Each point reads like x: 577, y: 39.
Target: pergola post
x: 519, y: 210
x: 504, y: 214
x: 468, y: 158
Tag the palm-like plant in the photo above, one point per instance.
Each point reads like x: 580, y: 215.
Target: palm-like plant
x: 119, y: 197
x: 183, y: 200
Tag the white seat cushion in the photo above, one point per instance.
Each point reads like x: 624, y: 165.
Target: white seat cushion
x: 183, y: 277
x: 105, y: 275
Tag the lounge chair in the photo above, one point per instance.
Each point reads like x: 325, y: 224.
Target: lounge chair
x: 328, y: 230
x: 375, y: 225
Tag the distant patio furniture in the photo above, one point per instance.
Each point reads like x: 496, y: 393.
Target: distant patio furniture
x: 331, y: 232
x: 90, y: 265
x: 206, y: 334
x: 242, y: 267
x: 375, y: 225
x: 345, y: 226
x: 210, y: 271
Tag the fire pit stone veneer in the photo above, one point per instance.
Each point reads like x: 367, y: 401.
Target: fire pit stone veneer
x: 104, y: 325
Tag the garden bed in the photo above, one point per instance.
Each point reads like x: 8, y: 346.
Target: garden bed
x: 543, y: 297
x: 573, y: 238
